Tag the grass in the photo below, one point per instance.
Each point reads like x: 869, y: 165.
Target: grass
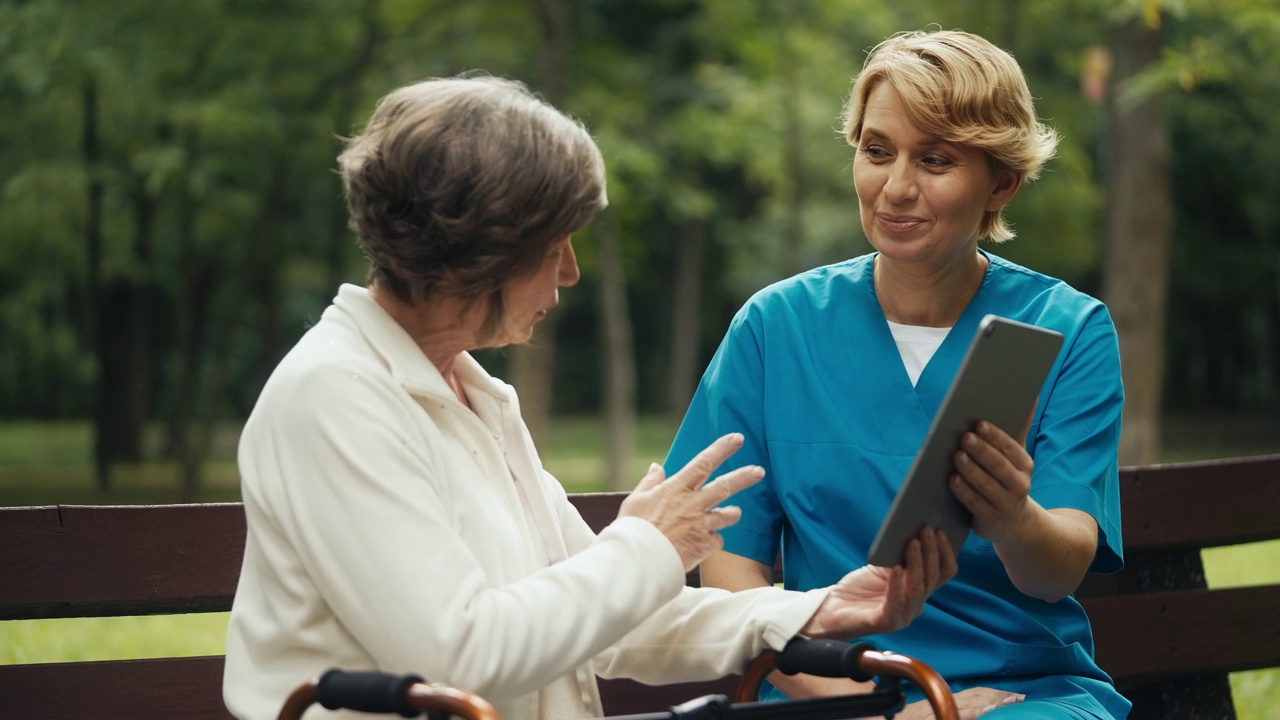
x: 50, y: 463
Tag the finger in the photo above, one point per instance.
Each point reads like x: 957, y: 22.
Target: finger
x: 948, y: 557
x: 653, y: 478
x: 900, y: 607
x: 1004, y: 450
x: 722, y: 488
x: 722, y: 517
x: 980, y: 477
x: 982, y: 451
x: 1026, y: 426
x: 932, y: 560
x: 697, y: 470
x: 893, y: 612
x: 969, y: 496
x: 914, y: 592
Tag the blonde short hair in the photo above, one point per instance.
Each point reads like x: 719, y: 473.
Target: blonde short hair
x: 961, y: 88
x: 456, y: 186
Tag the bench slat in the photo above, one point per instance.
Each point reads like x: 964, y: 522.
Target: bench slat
x: 103, y: 561
x: 628, y: 697
x: 598, y: 509
x: 1200, y: 504
x: 1216, y: 631
x: 188, y: 688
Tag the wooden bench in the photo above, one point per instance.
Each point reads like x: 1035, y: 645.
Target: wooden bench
x: 1167, y: 640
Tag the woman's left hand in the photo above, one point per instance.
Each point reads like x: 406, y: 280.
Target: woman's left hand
x: 993, y: 480
x: 1045, y: 552
x: 874, y: 599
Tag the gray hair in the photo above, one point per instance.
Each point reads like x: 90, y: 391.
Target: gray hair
x: 458, y: 186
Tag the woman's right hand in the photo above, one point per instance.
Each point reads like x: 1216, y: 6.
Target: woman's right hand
x: 872, y: 600
x: 972, y: 704
x: 684, y: 506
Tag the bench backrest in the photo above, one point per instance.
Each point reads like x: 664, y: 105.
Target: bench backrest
x: 1166, y: 640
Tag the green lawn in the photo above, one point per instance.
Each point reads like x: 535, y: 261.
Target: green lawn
x: 49, y: 463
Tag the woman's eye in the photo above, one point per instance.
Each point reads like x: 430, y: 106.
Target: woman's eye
x: 875, y: 152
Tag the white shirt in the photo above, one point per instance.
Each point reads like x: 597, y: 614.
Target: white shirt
x: 916, y: 345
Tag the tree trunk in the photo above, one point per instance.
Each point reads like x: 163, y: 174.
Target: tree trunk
x: 124, y: 318
x: 111, y: 432
x: 619, y: 359
x: 686, y: 314
x: 191, y: 319
x: 95, y: 294
x: 1139, y: 208
x: 145, y: 293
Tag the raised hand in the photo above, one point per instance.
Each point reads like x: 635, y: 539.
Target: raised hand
x: 684, y: 506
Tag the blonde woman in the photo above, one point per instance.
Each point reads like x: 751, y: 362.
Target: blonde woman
x: 834, y: 375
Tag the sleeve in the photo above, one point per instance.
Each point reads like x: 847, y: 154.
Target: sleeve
x: 731, y: 398
x: 364, y: 507
x: 702, y: 634
x: 707, y: 633
x: 1078, y: 438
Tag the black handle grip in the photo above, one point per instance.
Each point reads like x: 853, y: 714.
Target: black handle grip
x: 826, y: 658
x: 371, y: 692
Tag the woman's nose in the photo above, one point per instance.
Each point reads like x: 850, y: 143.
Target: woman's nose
x: 569, y: 272
x: 901, y: 184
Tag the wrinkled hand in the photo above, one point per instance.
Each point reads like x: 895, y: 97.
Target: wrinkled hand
x: 873, y: 599
x: 684, y: 509
x: 993, y: 480
x: 972, y: 703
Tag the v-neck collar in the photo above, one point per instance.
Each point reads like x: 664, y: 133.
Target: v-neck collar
x: 935, y: 379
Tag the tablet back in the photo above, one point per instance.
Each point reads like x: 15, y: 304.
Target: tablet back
x: 998, y: 380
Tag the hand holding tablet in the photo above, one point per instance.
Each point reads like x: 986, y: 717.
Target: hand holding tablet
x: 998, y: 381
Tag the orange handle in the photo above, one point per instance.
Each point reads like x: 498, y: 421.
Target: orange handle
x: 870, y: 662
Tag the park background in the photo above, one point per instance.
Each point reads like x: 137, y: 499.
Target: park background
x: 171, y: 222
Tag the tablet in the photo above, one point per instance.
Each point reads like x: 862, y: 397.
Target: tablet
x: 998, y: 380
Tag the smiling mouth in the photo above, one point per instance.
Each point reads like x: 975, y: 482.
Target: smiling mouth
x: 899, y: 223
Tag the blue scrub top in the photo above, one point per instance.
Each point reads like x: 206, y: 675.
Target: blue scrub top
x: 810, y: 374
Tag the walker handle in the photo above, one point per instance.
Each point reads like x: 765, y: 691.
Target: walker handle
x: 377, y: 692
x: 825, y: 658
x: 371, y: 692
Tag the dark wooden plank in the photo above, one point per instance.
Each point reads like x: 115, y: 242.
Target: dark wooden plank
x: 94, y: 561
x: 628, y: 697
x: 1200, y: 504
x: 598, y: 509
x: 186, y: 688
x: 1186, y: 632
x: 1202, y: 697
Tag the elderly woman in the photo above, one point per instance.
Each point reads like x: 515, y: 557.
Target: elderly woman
x: 399, y: 516
x: 834, y: 376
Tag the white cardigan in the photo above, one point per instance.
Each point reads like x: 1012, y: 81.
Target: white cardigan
x: 386, y: 532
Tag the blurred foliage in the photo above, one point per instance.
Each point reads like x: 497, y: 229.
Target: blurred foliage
x: 217, y: 123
